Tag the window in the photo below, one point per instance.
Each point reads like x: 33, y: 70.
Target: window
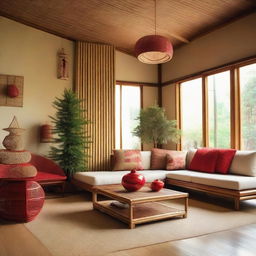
x: 118, y: 117
x: 128, y: 104
x: 219, y: 109
x: 248, y: 106
x: 191, y: 115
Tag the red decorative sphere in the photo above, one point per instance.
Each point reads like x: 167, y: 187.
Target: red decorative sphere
x: 133, y: 181
x: 20, y: 201
x: 12, y: 91
x: 157, y: 185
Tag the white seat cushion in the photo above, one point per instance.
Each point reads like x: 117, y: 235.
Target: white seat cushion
x: 236, y: 182
x: 115, y: 177
x: 184, y: 175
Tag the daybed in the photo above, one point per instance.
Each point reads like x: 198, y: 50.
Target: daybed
x: 237, y: 184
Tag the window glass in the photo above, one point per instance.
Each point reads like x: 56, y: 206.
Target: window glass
x: 117, y: 118
x: 248, y: 106
x: 191, y: 113
x: 219, y: 109
x: 128, y: 104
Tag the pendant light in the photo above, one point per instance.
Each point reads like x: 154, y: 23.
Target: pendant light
x: 153, y: 49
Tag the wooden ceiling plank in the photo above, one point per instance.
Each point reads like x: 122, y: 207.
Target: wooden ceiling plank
x: 123, y: 22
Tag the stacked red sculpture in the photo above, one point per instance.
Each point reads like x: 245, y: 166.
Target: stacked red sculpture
x: 21, y: 199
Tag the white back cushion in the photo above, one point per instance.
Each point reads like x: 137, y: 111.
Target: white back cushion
x: 146, y: 158
x: 244, y: 163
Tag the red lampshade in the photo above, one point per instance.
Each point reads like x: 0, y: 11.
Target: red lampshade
x: 153, y: 49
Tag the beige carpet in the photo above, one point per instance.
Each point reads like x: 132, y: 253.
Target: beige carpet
x: 70, y: 227
x: 16, y: 240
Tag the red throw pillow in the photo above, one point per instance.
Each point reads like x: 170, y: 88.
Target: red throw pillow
x: 176, y: 160
x: 127, y: 160
x: 225, y: 157
x: 158, y: 158
x: 204, y: 160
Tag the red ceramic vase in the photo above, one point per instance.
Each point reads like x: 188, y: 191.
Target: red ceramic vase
x: 157, y: 185
x: 133, y: 181
x: 12, y: 91
x: 20, y: 201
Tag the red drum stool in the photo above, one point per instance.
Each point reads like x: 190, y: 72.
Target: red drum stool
x: 20, y: 200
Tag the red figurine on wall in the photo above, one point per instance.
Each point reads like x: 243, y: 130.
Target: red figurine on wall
x: 62, y: 65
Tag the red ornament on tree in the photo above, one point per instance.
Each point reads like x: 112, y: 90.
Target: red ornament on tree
x: 133, y: 181
x: 21, y: 200
x: 12, y: 91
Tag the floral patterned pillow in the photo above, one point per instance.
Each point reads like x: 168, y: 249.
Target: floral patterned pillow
x: 158, y: 158
x: 176, y: 160
x: 127, y: 160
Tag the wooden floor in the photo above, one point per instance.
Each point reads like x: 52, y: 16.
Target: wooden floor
x: 236, y: 242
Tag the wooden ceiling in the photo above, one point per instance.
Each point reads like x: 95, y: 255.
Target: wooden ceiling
x: 123, y: 22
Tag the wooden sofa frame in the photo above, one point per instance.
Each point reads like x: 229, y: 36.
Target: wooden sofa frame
x: 236, y: 195
x: 83, y: 185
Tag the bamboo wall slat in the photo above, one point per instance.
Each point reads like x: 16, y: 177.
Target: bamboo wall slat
x: 95, y: 83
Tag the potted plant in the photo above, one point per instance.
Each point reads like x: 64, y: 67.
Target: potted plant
x: 154, y: 127
x: 71, y: 140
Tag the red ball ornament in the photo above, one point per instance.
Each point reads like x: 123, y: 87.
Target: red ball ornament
x: 133, y: 181
x: 12, y: 91
x: 20, y: 201
x: 157, y: 185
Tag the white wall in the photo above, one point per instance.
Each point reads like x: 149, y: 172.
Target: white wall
x: 128, y: 68
x: 28, y: 52
x: 232, y: 42
x: 31, y: 53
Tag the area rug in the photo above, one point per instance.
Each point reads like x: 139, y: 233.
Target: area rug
x: 70, y: 227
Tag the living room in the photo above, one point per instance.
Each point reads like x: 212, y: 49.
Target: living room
x: 203, y: 87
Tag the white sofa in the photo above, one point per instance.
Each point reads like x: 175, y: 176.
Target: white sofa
x: 237, y: 184
x: 89, y: 179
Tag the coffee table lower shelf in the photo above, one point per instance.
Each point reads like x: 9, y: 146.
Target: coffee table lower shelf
x: 139, y: 213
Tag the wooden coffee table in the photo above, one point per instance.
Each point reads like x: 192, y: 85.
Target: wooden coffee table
x: 140, y: 206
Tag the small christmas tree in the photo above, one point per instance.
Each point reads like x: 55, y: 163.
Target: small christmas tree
x: 155, y: 128
x: 69, y: 126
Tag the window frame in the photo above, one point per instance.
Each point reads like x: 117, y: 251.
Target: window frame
x: 235, y: 102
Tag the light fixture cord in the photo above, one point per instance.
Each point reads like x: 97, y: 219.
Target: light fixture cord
x: 155, y: 17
